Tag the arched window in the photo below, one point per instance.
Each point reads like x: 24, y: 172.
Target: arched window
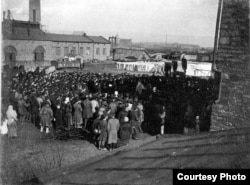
x: 39, y: 53
x: 10, y: 54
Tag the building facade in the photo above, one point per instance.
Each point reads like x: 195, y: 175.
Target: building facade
x: 25, y: 43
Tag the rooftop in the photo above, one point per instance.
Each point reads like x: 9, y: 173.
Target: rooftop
x: 25, y: 30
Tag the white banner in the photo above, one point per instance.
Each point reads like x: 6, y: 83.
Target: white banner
x: 152, y: 67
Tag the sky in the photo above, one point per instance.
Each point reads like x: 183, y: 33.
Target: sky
x: 184, y: 21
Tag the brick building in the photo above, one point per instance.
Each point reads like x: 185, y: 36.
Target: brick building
x: 233, y: 60
x: 25, y: 43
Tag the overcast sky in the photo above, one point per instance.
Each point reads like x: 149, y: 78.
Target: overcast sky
x: 187, y: 21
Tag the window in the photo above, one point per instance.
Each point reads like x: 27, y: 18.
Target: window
x: 39, y: 56
x: 73, y: 51
x: 81, y: 50
x: 39, y: 53
x: 58, y: 50
x: 66, y: 50
x: 104, y: 51
x: 10, y: 54
x: 97, y: 51
x: 88, y: 51
x: 34, y: 15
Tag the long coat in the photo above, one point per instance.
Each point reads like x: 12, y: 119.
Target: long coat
x: 113, y: 127
x: 87, y: 109
x: 59, y: 118
x: 78, y: 113
x: 68, y: 114
x: 22, y: 105
x: 46, y: 115
x: 102, y: 126
x: 125, y: 131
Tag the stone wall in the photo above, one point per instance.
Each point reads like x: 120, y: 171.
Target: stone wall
x: 25, y: 49
x: 233, y: 59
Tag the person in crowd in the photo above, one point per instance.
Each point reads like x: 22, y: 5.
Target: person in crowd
x: 78, y: 120
x: 175, y: 66
x: 162, y: 116
x: 184, y: 64
x: 122, y: 114
x: 58, y: 117
x: 197, y: 124
x: 113, y: 106
x: 134, y: 117
x: 12, y: 122
x: 103, y: 129
x: 95, y: 132
x: 34, y: 107
x: 125, y: 131
x: 13, y: 100
x: 141, y: 116
x: 68, y: 113
x: 188, y: 119
x: 94, y: 104
x: 113, y: 127
x: 87, y: 111
x: 22, y: 107
x: 46, y: 115
x: 168, y: 67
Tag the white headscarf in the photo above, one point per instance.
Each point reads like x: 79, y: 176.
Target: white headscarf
x: 11, y: 114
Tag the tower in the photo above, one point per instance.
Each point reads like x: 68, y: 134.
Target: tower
x: 35, y: 11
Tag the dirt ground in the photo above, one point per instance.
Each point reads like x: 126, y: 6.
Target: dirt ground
x: 33, y: 153
x: 152, y: 163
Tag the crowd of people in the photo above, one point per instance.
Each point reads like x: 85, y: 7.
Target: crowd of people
x: 111, y: 108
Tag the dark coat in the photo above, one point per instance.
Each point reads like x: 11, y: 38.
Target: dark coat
x: 125, y: 131
x: 59, y: 117
x: 87, y: 109
x: 103, y: 128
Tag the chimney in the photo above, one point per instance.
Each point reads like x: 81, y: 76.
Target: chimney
x: 8, y: 14
x: 3, y: 15
x: 35, y: 11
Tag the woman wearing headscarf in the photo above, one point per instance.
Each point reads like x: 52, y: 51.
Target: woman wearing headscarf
x: 46, y: 115
x: 12, y: 125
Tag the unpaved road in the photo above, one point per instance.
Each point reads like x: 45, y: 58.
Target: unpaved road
x: 153, y: 162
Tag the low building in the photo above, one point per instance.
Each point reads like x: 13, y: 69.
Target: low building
x: 130, y: 54
x: 25, y: 41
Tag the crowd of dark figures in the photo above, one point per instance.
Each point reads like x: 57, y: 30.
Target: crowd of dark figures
x: 109, y: 110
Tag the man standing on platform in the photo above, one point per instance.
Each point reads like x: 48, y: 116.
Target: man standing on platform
x: 184, y: 63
